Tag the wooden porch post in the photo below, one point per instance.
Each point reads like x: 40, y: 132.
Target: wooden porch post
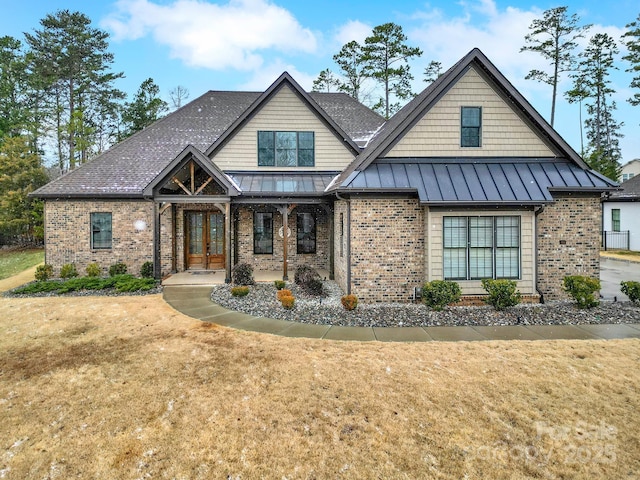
x: 285, y: 241
x: 227, y: 246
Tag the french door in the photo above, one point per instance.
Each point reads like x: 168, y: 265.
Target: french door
x: 205, y: 240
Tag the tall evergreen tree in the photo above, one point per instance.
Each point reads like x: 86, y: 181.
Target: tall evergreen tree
x: 554, y: 37
x: 631, y: 39
x: 146, y: 108
x: 13, y: 87
x: 352, y: 69
x: 432, y: 71
x: 386, y: 56
x: 326, y: 82
x: 71, y: 59
x: 593, y: 86
x: 178, y: 95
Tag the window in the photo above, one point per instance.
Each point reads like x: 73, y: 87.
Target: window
x: 470, y: 126
x: 615, y: 219
x: 306, y: 233
x: 286, y: 149
x: 101, y: 230
x: 627, y: 176
x: 481, y: 247
x: 341, y: 234
x: 262, y: 233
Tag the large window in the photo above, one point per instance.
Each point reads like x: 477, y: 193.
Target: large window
x: 481, y: 247
x: 306, y: 233
x: 286, y: 149
x: 471, y: 127
x: 263, y: 232
x: 615, y: 219
x: 101, y: 230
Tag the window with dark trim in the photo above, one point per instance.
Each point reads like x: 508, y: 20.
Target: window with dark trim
x: 286, y: 149
x: 263, y: 233
x: 615, y: 219
x: 341, y: 234
x: 481, y: 247
x: 101, y: 230
x: 306, y: 233
x: 470, y: 127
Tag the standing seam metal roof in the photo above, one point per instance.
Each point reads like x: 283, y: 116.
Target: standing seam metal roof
x: 479, y: 180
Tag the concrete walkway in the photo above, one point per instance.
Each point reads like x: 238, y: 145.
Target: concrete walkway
x: 194, y: 301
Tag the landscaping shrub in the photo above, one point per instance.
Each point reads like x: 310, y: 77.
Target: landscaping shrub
x: 68, y: 270
x: 243, y: 274
x: 146, y: 270
x: 44, y: 272
x: 502, y: 293
x: 117, y: 269
x: 440, y: 293
x: 121, y: 283
x: 309, y: 280
x: 582, y: 289
x: 283, y: 293
x: 632, y: 290
x: 93, y: 270
x: 242, y: 291
x: 280, y: 284
x: 349, y: 302
x: 287, y: 301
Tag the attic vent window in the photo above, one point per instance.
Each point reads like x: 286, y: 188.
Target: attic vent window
x: 286, y: 149
x: 470, y: 127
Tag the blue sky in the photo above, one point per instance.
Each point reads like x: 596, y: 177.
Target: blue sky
x: 245, y: 44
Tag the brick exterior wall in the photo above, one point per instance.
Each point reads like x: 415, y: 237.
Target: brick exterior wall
x: 68, y: 234
x: 568, y: 242
x: 340, y: 233
x: 320, y: 259
x: 387, y: 248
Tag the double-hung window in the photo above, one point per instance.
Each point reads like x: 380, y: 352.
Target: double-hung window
x: 263, y: 233
x: 615, y: 219
x: 286, y: 149
x: 481, y: 247
x: 471, y: 127
x: 101, y: 237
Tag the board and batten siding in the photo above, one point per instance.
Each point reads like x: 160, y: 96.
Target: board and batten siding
x: 284, y: 112
x: 504, y: 133
x: 434, y: 247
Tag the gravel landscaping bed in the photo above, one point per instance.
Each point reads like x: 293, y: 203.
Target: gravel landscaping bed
x: 261, y: 302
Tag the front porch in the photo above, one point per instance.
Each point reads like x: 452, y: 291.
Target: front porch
x: 217, y: 277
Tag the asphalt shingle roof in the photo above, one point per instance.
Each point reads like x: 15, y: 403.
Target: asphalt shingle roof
x: 129, y: 166
x: 629, y: 190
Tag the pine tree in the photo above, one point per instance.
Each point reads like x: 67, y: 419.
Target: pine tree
x: 326, y: 82
x: 386, y: 56
x: 554, y: 37
x: 432, y: 71
x: 146, y: 108
x: 352, y: 68
x: 631, y: 39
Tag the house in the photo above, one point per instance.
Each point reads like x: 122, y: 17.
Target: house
x: 466, y: 182
x: 620, y: 213
x: 630, y: 169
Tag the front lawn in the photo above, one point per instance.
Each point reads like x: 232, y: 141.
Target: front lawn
x: 13, y: 261
x: 127, y: 387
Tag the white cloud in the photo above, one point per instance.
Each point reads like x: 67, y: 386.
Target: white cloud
x: 352, y: 30
x: 265, y: 76
x: 210, y: 35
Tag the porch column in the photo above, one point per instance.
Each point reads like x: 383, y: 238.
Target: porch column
x: 156, y: 241
x: 227, y: 246
x: 329, y: 211
x: 284, y: 211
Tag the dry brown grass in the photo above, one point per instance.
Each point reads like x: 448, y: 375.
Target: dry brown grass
x: 127, y: 387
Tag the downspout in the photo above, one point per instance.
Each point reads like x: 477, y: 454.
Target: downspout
x: 348, y: 202
x: 537, y: 211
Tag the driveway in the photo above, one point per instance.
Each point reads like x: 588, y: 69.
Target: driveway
x: 612, y: 272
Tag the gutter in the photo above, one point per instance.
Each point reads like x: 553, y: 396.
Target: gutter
x: 348, y: 221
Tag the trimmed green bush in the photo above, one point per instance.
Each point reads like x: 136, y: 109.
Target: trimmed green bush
x: 582, y: 289
x: 93, y: 270
x: 243, y: 274
x: 68, y: 270
x: 502, y: 293
x: 280, y: 284
x: 632, y: 290
x: 44, y: 272
x: 146, y: 270
x: 121, y: 283
x: 437, y: 294
x: 242, y: 291
x: 117, y: 269
x: 349, y: 302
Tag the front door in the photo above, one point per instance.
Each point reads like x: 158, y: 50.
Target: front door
x: 205, y: 240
